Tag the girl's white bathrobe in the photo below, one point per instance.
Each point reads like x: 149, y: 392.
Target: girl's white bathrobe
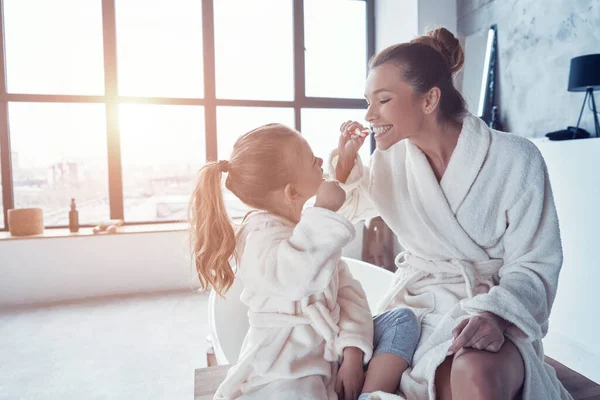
x: 304, y: 307
x: 485, y: 238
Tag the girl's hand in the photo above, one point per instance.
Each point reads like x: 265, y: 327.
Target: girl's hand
x: 330, y: 196
x: 351, y: 375
x: 481, y: 332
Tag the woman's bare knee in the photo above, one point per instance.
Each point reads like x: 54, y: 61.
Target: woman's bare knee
x: 480, y: 374
x: 475, y: 374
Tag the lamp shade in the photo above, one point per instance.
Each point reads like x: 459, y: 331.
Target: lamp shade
x: 584, y: 73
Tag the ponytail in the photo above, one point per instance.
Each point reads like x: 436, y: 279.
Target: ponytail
x: 212, y: 238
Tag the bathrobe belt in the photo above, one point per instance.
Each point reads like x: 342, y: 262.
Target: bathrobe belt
x: 324, y: 321
x: 471, y: 271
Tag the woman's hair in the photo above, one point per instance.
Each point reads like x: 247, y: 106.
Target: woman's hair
x: 258, y: 166
x: 430, y: 61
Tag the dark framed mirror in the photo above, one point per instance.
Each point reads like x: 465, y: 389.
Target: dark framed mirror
x: 479, y: 74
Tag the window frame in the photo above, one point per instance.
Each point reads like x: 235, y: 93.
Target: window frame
x: 111, y: 99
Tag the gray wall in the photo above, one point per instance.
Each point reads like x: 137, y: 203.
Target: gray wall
x: 536, y: 41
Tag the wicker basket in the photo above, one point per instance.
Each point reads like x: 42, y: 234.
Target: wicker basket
x: 25, y: 221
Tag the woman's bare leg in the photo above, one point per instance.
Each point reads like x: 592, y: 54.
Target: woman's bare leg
x: 442, y: 380
x: 476, y: 374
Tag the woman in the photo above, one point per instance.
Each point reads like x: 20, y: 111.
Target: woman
x: 474, y: 210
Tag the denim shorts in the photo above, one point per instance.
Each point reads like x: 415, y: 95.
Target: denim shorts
x: 396, y: 331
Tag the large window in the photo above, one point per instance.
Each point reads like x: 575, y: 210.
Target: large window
x: 118, y: 103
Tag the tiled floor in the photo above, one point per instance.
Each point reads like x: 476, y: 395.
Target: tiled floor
x: 143, y: 347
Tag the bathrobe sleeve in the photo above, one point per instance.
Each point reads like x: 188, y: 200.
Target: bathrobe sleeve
x: 358, y: 205
x: 292, y: 264
x: 356, y: 321
x: 533, y: 257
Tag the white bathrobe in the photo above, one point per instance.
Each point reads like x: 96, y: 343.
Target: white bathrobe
x: 304, y: 307
x: 485, y: 238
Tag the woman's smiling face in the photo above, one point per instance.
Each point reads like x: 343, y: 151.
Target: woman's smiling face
x: 395, y: 110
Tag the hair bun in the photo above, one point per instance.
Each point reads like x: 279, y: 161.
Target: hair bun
x: 444, y: 42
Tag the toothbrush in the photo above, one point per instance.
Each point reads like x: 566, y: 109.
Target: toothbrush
x: 364, y: 132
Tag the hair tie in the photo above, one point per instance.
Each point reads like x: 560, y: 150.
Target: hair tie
x: 224, y: 165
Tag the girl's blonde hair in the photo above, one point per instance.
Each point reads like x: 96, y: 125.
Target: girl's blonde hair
x: 258, y: 166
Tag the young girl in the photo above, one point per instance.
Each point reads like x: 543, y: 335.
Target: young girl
x: 306, y: 312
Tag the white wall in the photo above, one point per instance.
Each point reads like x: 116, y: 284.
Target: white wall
x: 395, y: 22
x: 436, y: 13
x: 56, y: 269
x: 59, y: 269
x: 398, y: 21
x: 575, y: 319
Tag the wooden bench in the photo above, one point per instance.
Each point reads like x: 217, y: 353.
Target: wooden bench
x: 581, y: 388
x: 207, y: 380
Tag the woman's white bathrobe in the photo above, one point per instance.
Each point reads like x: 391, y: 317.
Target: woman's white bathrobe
x: 485, y: 238
x: 304, y: 307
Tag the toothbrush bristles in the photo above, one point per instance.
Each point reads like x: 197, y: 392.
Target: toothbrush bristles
x: 364, y: 132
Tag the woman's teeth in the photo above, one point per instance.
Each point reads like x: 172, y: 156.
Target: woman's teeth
x: 380, y: 130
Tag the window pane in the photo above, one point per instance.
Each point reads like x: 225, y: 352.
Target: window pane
x: 321, y: 127
x: 162, y: 149
x: 233, y: 122
x: 59, y: 153
x: 254, y: 49
x: 54, y: 47
x: 159, y: 48
x: 335, y: 34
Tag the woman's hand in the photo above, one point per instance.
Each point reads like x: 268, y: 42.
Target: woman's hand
x: 352, y: 137
x: 351, y: 375
x: 482, y: 332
